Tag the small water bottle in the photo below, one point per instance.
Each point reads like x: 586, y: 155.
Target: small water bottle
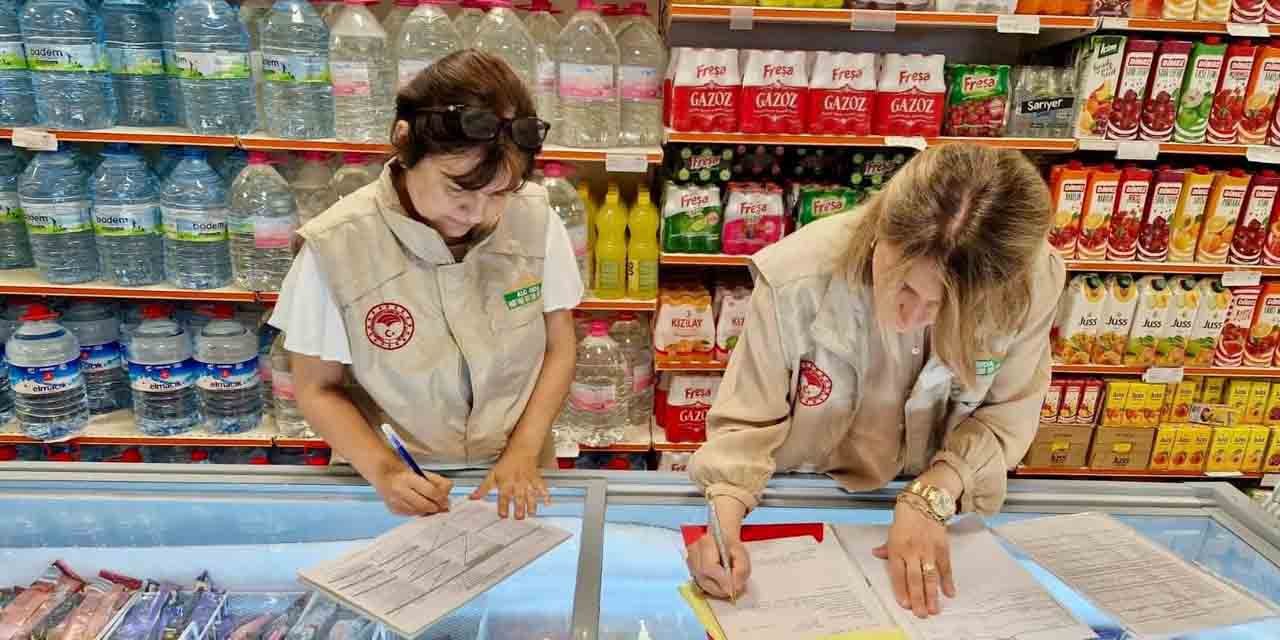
x: 228, y: 380
x: 162, y: 375
x: 97, y: 327
x: 44, y: 371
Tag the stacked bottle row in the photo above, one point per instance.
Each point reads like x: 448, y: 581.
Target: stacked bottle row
x: 613, y: 382
x: 621, y: 245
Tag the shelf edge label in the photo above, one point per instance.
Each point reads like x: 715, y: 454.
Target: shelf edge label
x: 36, y: 139
x: 912, y: 142
x: 1162, y: 375
x: 626, y: 163
x: 1096, y: 144
x: 741, y: 18
x: 1252, y: 153
x: 1115, y: 23
x: 866, y: 20
x: 1242, y: 30
x: 1241, y: 278
x: 1137, y: 150
x: 1014, y: 23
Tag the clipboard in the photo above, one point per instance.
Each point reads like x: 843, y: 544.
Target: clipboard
x: 758, y: 532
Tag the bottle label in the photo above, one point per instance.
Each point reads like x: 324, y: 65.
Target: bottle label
x: 41, y: 381
x: 282, y: 385
x: 228, y: 377
x: 100, y: 357
x: 136, y: 62
x: 171, y: 63
x: 156, y: 378
x: 10, y: 208
x: 408, y: 69
x: 639, y: 84
x: 586, y: 82
x: 295, y: 69
x: 642, y: 276
x: 212, y: 65
x: 273, y: 233
x: 193, y: 225
x: 12, y: 56
x: 67, y: 57
x: 546, y: 75
x: 578, y: 237
x: 350, y: 79
x: 53, y: 219
x: 592, y: 398
x: 609, y: 275
x: 642, y: 376
x: 126, y: 220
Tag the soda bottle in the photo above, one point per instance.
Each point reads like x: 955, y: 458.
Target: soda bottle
x: 44, y: 371
x: 260, y: 224
x: 126, y: 218
x: 611, y: 248
x: 193, y: 206
x: 502, y: 33
x: 56, y: 202
x: 642, y: 56
x: 97, y: 328
x: 295, y: 62
x: 312, y: 189
x: 17, y: 99
x: 162, y: 375
x: 15, y: 248
x: 68, y: 61
x: 633, y: 339
x: 567, y: 203
x: 227, y: 378
x: 596, y: 412
x: 360, y: 63
x: 289, y: 418
x: 642, y: 250
x: 545, y: 29
x: 135, y: 48
x: 426, y: 36
x: 587, y: 59
x: 215, y: 74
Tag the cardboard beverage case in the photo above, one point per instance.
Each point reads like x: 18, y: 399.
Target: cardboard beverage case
x: 775, y: 92
x: 1135, y: 73
x: 1121, y: 448
x: 1264, y: 331
x: 842, y: 93
x: 1198, y: 86
x: 706, y: 90
x: 1115, y: 320
x: 1099, y: 205
x: 1230, y: 349
x: 1188, y: 218
x: 1255, y: 219
x: 1098, y: 62
x: 1068, y: 184
x: 1059, y: 446
x: 1076, y: 325
x: 1162, y: 201
x: 1260, y: 97
x: 1220, y: 216
x: 1228, y: 99
x: 1164, y: 87
x: 1184, y: 304
x: 1154, y: 297
x: 1215, y: 301
x: 1135, y: 185
x: 910, y: 96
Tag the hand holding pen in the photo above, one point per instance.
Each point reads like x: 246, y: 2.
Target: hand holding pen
x: 405, y: 487
x: 720, y: 568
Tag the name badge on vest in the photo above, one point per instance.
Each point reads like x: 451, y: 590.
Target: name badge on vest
x: 988, y: 367
x: 526, y: 294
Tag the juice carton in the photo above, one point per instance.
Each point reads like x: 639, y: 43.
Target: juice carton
x: 1228, y: 98
x: 684, y: 330
x: 1230, y: 349
x: 1238, y: 393
x: 1213, y: 10
x: 1076, y: 325
x: 1219, y: 456
x: 1272, y: 415
x: 1271, y: 461
x: 1179, y: 10
x: 1089, y: 401
x: 1188, y: 218
x: 1255, y: 452
x: 910, y: 96
x: 1260, y: 97
x: 1247, y: 11
x: 691, y: 219
x: 754, y: 217
x: 1155, y: 405
x: 1184, y: 305
x: 977, y: 100
x: 1215, y: 300
x: 1213, y: 389
x: 1162, y: 201
x: 1256, y: 411
x: 1135, y: 404
x: 1068, y: 186
x: 1116, y: 319
x: 842, y: 90
x: 1071, y: 392
x: 1271, y: 11
x: 1164, y: 87
x: 1099, y: 205
x: 1114, y: 402
x: 706, y: 90
x: 1199, y: 452
x: 1052, y: 401
x: 1135, y: 72
x: 1122, y: 241
x: 1183, y: 397
x: 1255, y: 218
x: 1220, y: 215
x: 1146, y: 8
x: 775, y: 92
x: 1264, y: 331
x: 1271, y: 245
x: 1162, y: 449
x: 1183, y: 442
x: 1154, y: 297
x: 1098, y: 61
x: 1198, y: 85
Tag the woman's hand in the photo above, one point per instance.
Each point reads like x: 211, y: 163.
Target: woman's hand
x: 408, y: 494
x: 919, y: 557
x: 518, y: 480
x: 710, y: 575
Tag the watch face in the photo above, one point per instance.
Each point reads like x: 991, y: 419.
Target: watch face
x: 942, y: 503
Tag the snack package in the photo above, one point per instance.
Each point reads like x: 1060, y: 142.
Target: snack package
x: 31, y: 607
x: 684, y: 330
x: 1149, y: 318
x: 688, y: 400
x: 700, y: 164
x: 1099, y: 205
x: 775, y: 92
x: 1164, y: 87
x: 753, y: 218
x: 1162, y: 202
x: 977, y: 100
x: 1215, y: 301
x: 1225, y: 201
x: 816, y: 203
x: 1247, y: 11
x: 1188, y: 218
x: 910, y: 95
x: 1184, y: 304
x: 731, y: 306
x: 1122, y: 239
x: 691, y: 219
x: 1117, y: 316
x: 1135, y: 72
x: 1067, y: 186
x: 1230, y: 349
x: 1255, y: 218
x: 1228, y: 98
x: 1098, y: 61
x: 1260, y: 96
x: 706, y: 90
x: 842, y: 93
x: 1076, y: 324
x: 1264, y: 330
x: 1203, y: 70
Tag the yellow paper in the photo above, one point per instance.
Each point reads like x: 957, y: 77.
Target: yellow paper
x: 702, y: 611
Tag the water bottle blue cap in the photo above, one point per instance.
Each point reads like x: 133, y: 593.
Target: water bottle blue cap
x: 117, y: 148
x: 192, y: 152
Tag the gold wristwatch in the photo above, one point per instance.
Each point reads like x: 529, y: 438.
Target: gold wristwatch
x: 939, y: 503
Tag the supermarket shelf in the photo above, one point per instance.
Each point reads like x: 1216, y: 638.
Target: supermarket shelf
x: 926, y: 19
x: 1025, y: 144
x: 1190, y: 268
x: 596, y: 304
x: 27, y: 282
x: 1170, y: 26
x: 138, y: 135
x: 118, y: 428
x: 693, y: 366
x: 259, y: 142
x: 1084, y: 472
x: 636, y: 439
x: 704, y: 260
x: 1224, y: 372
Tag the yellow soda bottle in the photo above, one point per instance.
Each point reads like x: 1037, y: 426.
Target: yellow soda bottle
x: 611, y: 248
x: 642, y: 249
x: 584, y: 192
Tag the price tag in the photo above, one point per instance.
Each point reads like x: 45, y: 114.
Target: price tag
x: 913, y: 142
x: 1137, y: 150
x: 1119, y: 24
x: 1271, y: 479
x: 1162, y: 375
x: 741, y: 18
x: 37, y: 139
x: 626, y: 163
x: 1097, y: 144
x: 1254, y: 153
x: 1241, y: 278
x: 1018, y: 24
x: 873, y: 20
x: 1223, y: 474
x: 1241, y: 30
x: 567, y: 450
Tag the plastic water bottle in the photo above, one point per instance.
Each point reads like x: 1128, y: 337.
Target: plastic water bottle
x: 261, y: 222
x: 44, y: 371
x: 502, y: 33
x: 352, y: 175
x: 194, y: 319
x: 15, y: 248
x: 212, y: 54
x: 97, y: 328
x: 633, y: 339
x: 135, y: 48
x: 253, y: 15
x: 313, y: 189
x: 227, y: 378
x: 126, y: 218
x: 329, y: 11
x: 54, y: 192
x: 171, y: 70
x: 68, y: 61
x: 193, y: 206
x: 598, y: 398
x: 297, y: 96
x: 400, y: 10
x: 232, y: 163
x: 360, y: 63
x: 130, y: 318
x: 545, y: 29
x: 17, y: 98
x: 587, y: 60
x: 166, y: 160
x: 6, y: 391
x: 286, y: 163
x: 642, y: 57
x: 289, y: 418
x: 567, y: 204
x: 162, y: 375
x: 468, y: 20
x: 426, y: 36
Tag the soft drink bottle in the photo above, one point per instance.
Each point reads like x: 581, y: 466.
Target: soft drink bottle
x: 227, y: 378
x: 596, y: 412
x: 44, y: 371
x: 56, y: 201
x: 567, y: 203
x: 135, y: 47
x: 15, y: 248
x: 642, y: 250
x: 260, y: 224
x: 215, y: 73
x: 611, y: 248
x: 587, y: 60
x: 193, y: 205
x: 126, y: 218
x: 360, y: 63
x: 97, y: 328
x: 632, y: 337
x: 68, y: 61
x: 17, y: 99
x: 426, y: 36
x: 503, y: 34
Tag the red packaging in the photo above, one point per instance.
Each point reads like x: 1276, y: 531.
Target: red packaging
x: 706, y: 91
x: 688, y: 401
x: 1247, y: 11
x: 1067, y: 184
x: 910, y: 95
x: 1162, y: 201
x: 1271, y: 12
x: 1264, y: 331
x: 1230, y: 349
x: 1099, y: 205
x: 1260, y: 98
x: 1228, y: 99
x: 668, y: 77
x: 1131, y: 201
x: 1135, y: 74
x: 775, y: 92
x: 1271, y: 248
x: 1255, y: 218
x: 1052, y: 401
x: 1071, y: 392
x: 1164, y: 85
x: 842, y: 92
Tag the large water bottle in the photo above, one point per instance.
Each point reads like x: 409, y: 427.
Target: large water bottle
x: 227, y: 380
x: 587, y: 60
x: 391, y: 23
x: 360, y: 63
x: 598, y: 398
x: 6, y: 391
x: 162, y: 375
x: 633, y: 338
x: 253, y: 15
x: 193, y: 206
x: 642, y: 57
x: 135, y: 47
x: 214, y: 68
x: 231, y: 164
x: 503, y: 34
x: 329, y: 11
x: 354, y: 173
x: 426, y: 36
x: 166, y: 160
x: 566, y: 203
x: 56, y: 202
x: 313, y: 189
x: 261, y: 221
x: 545, y: 29
x: 468, y: 20
x: 289, y: 418
x: 44, y: 371
x: 15, y: 248
x: 97, y: 328
x: 297, y: 98
x: 126, y: 218
x: 17, y: 98
x: 171, y: 71
x: 69, y: 68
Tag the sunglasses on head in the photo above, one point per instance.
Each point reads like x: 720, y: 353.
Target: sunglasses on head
x: 476, y: 124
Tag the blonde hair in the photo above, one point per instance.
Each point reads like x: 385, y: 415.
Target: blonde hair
x: 977, y: 214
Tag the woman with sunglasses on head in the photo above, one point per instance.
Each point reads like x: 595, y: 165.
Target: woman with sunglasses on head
x: 447, y: 287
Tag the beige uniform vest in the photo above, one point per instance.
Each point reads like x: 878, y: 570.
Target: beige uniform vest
x: 448, y: 351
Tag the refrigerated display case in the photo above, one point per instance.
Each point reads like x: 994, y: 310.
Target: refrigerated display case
x: 254, y: 528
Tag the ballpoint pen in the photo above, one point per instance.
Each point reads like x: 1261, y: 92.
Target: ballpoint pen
x: 717, y: 534
x: 400, y: 449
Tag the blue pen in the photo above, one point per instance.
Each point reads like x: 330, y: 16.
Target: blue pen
x: 400, y: 450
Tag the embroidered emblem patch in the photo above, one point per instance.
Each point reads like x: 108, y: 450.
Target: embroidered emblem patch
x: 814, y: 386
x: 388, y: 326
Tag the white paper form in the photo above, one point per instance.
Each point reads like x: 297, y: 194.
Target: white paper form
x: 996, y: 598
x: 1143, y: 586
x: 420, y: 571
x: 800, y: 589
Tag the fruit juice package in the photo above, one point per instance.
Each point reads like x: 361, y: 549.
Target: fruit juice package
x: 1090, y: 398
x: 1099, y: 205
x: 775, y: 92
x: 1098, y: 61
x: 1204, y: 67
x: 1247, y: 11
x: 1271, y: 460
x: 1220, y: 215
x: 1068, y: 183
x: 1260, y: 96
x: 1272, y: 412
x: 1135, y: 73
x: 1264, y: 331
x: 1199, y: 452
x: 1213, y: 390
x: 1184, y: 395
x: 1154, y: 297
x: 1188, y: 218
x: 1117, y: 395
x: 977, y: 100
x: 706, y: 90
x: 1213, y: 10
x: 1071, y: 392
x: 1052, y: 401
x: 1162, y: 201
x: 1076, y: 325
x: 1115, y: 320
x: 691, y: 219
x: 1162, y: 449
x: 1271, y: 245
x: 1256, y: 411
x: 1256, y: 450
x: 1155, y: 404
x: 684, y: 330
x: 1135, y: 404
x: 1184, y: 304
x: 1131, y: 201
x: 1230, y: 349
x: 910, y: 95
x: 1215, y: 300
x: 1220, y: 448
x: 1255, y: 218
x: 1183, y: 442
x: 842, y: 91
x: 1228, y: 98
x: 754, y: 218
x: 1146, y: 8
x: 1164, y: 86
x: 1178, y: 10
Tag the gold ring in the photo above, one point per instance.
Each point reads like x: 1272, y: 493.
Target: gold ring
x: 929, y: 569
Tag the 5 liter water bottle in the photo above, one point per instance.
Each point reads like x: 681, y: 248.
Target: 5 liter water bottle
x: 503, y: 34
x: 15, y: 249
x: 231, y: 164
x: 212, y: 54
x: 394, y: 19
x: 312, y: 189
x: 468, y: 20
x: 69, y: 67
x: 126, y: 218
x: 44, y: 371
x: 135, y: 47
x: 261, y: 222
x: 633, y: 339
x: 56, y: 203
x: 17, y: 99
x: 359, y: 60
x: 171, y: 71
x: 587, y: 58
x: 253, y: 14
x: 162, y: 375
x: 426, y: 36
x: 598, y: 398
x: 297, y: 97
x: 289, y: 418
x: 97, y: 328
x: 642, y: 55
x: 545, y: 29
x: 354, y: 173
x: 6, y: 391
x: 566, y: 203
x: 227, y: 378
x: 193, y: 205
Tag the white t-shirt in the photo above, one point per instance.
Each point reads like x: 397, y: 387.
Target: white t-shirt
x: 312, y: 321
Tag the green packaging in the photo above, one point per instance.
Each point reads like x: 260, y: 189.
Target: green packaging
x: 701, y: 164
x: 692, y: 216
x: 1198, y: 86
x: 818, y: 202
x: 977, y: 100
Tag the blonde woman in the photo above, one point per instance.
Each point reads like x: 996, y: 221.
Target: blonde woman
x: 909, y: 337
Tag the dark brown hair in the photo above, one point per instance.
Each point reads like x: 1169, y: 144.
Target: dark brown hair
x: 473, y: 78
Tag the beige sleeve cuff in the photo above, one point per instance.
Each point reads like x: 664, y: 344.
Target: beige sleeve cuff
x: 986, y: 499
x: 733, y: 491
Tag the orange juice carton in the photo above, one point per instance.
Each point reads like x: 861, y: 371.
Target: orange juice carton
x: 1200, y: 448
x: 1184, y: 304
x: 1099, y: 205
x: 1188, y: 217
x: 1076, y: 325
x: 1071, y: 392
x: 1220, y: 450
x: 1135, y: 404
x: 1255, y: 218
x: 1238, y: 394
x: 1256, y: 451
x: 1230, y: 349
x: 1220, y: 215
x: 1052, y: 401
x: 1184, y: 395
x: 1213, y: 415
x: 1183, y: 440
x: 1215, y: 299
x: 1155, y: 404
x: 1154, y: 298
x: 1212, y: 388
x: 1098, y: 62
x: 684, y: 330
x: 1113, y: 404
x: 1271, y: 461
x: 1260, y: 97
x: 1264, y: 331
x: 1162, y: 449
x: 1090, y: 398
x: 1067, y: 184
x: 1256, y: 411
x: 1272, y: 416
x: 1116, y: 318
x: 1131, y: 201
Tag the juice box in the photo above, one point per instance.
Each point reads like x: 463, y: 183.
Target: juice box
x: 1148, y: 321
x: 1220, y: 215
x: 1090, y: 398
x: 1228, y: 98
x: 1213, y: 10
x: 1099, y: 205
x: 1183, y: 396
x: 1071, y: 392
x: 1215, y: 299
x: 1255, y: 218
x: 1163, y: 90
x: 1184, y: 304
x: 1178, y: 10
x: 1212, y: 389
x: 1264, y: 331
x: 1256, y: 411
x: 1131, y: 201
x: 1135, y: 405
x: 1098, y: 61
x: 1256, y: 451
x: 1220, y: 447
x: 1076, y: 325
x: 1052, y: 401
x: 1260, y: 97
x: 1238, y: 392
x: 1162, y: 449
x: 1153, y: 234
x: 1155, y: 405
x: 1272, y: 416
x: 1230, y: 349
x: 1115, y: 320
x: 1198, y: 85
x: 1198, y: 449
x: 1188, y: 218
x: 1114, y: 402
x: 1271, y: 461
x: 1135, y: 70
x: 1068, y: 186
x: 1271, y: 245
